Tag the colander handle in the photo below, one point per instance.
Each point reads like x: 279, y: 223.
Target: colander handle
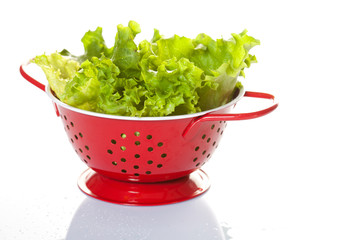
x: 35, y: 83
x: 30, y: 79
x: 236, y: 116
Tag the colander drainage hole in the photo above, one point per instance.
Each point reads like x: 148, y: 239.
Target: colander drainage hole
x: 123, y: 159
x: 149, y: 137
x: 212, y: 126
x: 86, y: 147
x: 163, y: 155
x: 80, y: 150
x: 123, y: 170
x: 195, y: 159
x: 203, y: 136
x: 150, y: 149
x: 113, y: 141
x: 123, y: 148
x: 88, y: 157
x: 65, y: 117
x: 197, y: 148
x: 76, y: 137
x: 148, y: 172
x: 137, y: 155
x: 137, y: 143
x: 114, y: 163
x: 123, y: 135
x: 160, y: 144
x: 159, y: 165
x: 136, y: 166
x: 208, y: 140
x: 137, y: 134
x: 150, y: 162
x: 72, y: 124
x: 110, y: 151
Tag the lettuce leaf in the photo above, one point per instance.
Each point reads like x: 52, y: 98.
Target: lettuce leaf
x: 58, y: 70
x: 125, y: 53
x: 160, y: 77
x: 223, y: 61
x: 173, y: 87
x: 94, y: 46
x: 93, y: 87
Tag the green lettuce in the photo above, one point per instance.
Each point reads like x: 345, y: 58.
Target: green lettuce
x: 160, y: 77
x: 94, y: 46
x: 125, y: 54
x: 222, y: 61
x: 58, y: 70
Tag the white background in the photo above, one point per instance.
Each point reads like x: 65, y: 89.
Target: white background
x: 294, y: 174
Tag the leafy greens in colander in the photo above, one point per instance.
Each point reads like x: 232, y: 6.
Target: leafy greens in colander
x: 160, y: 77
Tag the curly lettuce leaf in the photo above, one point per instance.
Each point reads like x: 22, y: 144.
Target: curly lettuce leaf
x: 172, y: 86
x: 93, y: 88
x: 58, y: 70
x: 223, y: 61
x: 125, y: 52
x: 94, y: 46
x: 171, y: 90
x: 174, y: 47
x: 160, y: 77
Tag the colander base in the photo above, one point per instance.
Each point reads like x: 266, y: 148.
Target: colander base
x: 143, y: 194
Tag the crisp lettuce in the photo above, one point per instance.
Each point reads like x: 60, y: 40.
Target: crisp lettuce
x: 125, y: 54
x: 222, y: 61
x: 58, y: 70
x: 160, y: 77
x: 173, y: 86
x: 94, y: 46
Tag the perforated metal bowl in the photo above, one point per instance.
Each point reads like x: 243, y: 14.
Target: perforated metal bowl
x: 147, y: 160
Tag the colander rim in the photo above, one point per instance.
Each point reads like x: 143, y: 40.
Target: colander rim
x: 118, y: 117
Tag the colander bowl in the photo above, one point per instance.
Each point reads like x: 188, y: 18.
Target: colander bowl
x: 147, y: 160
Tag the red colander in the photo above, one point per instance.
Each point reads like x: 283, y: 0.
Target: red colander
x: 147, y: 160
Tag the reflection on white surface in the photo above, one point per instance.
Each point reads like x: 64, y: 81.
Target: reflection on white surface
x: 190, y: 220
